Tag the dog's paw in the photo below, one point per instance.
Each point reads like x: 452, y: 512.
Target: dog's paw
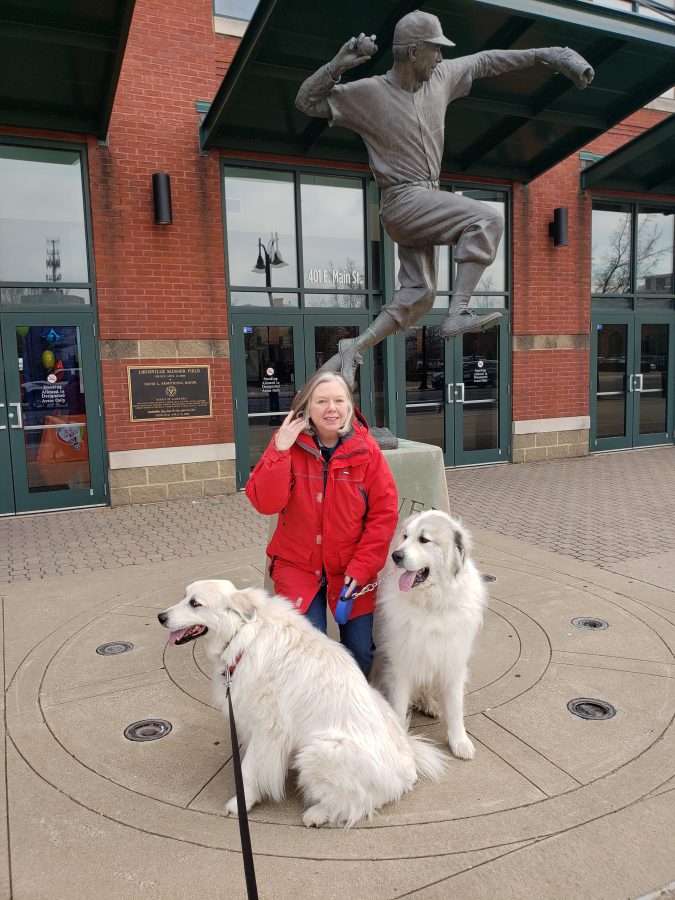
x: 231, y: 808
x: 315, y: 816
x: 427, y: 705
x: 463, y: 748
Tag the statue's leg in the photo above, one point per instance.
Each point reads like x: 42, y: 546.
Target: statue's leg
x: 412, y: 301
x: 476, y: 249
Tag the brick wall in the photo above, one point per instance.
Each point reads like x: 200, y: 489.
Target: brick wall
x: 160, y: 282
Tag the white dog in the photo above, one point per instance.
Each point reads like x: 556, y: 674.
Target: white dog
x: 426, y: 622
x: 300, y: 700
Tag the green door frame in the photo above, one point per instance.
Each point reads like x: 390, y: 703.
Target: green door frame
x: 634, y: 323
x: 6, y: 479
x: 23, y: 500
x: 359, y: 319
x: 240, y: 320
x: 455, y: 455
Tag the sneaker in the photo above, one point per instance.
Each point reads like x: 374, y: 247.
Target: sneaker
x: 466, y: 320
x: 345, y: 361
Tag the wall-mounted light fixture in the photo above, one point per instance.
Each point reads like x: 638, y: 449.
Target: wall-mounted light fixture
x: 161, y: 193
x: 557, y: 229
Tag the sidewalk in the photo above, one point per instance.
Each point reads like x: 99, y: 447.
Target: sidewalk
x: 554, y: 807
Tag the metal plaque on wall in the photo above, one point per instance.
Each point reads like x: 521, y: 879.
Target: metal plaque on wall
x: 169, y: 392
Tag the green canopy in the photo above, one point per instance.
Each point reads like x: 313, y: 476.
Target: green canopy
x: 60, y: 62
x: 645, y: 164
x: 516, y: 125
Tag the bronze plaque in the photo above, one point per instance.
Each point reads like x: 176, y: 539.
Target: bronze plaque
x: 169, y: 392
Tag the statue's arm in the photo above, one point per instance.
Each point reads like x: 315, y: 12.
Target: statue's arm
x: 313, y: 95
x: 494, y: 62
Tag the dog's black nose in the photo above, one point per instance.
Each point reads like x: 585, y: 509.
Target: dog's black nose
x: 162, y: 618
x: 397, y: 556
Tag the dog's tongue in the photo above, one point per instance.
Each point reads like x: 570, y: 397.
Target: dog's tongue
x: 405, y: 582
x: 177, y: 635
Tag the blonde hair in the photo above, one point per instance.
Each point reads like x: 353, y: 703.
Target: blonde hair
x: 303, y: 398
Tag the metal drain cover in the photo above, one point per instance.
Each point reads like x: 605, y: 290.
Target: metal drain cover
x: 114, y: 647
x: 147, y: 730
x: 586, y: 708
x: 590, y: 623
x: 489, y: 577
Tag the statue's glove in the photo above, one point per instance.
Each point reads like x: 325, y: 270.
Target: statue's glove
x: 569, y: 63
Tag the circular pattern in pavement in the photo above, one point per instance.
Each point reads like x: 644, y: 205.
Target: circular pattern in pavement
x: 537, y: 769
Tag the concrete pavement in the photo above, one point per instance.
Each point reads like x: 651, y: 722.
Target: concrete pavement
x: 554, y: 807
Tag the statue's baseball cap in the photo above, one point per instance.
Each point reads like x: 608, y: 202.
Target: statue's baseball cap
x: 420, y: 26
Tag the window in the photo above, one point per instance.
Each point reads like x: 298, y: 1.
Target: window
x: 299, y: 239
x: 632, y: 255
x: 44, y: 258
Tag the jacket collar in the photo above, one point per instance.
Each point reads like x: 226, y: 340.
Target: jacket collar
x: 352, y: 442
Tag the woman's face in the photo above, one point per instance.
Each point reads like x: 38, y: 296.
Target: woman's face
x: 328, y: 410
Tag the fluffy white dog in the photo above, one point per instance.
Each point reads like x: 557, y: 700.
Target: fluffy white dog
x: 300, y: 700
x: 426, y: 621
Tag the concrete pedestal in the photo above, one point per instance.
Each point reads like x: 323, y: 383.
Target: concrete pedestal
x: 419, y: 474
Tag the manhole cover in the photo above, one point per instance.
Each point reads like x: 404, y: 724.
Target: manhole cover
x: 114, y: 647
x: 590, y: 623
x: 586, y: 708
x: 147, y: 730
x: 489, y: 577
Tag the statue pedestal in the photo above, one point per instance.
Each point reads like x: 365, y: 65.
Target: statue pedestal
x: 419, y: 474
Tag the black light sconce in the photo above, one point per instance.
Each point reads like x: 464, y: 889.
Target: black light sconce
x: 557, y: 229
x: 161, y: 193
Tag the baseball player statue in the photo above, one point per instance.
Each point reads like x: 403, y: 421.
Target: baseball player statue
x: 401, y: 118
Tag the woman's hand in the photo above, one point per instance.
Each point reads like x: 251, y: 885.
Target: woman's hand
x: 288, y: 432
x: 353, y: 584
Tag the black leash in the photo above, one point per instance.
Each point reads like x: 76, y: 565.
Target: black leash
x: 246, y: 852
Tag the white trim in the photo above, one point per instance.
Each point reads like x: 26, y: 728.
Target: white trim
x: 232, y: 27
x: 168, y: 456
x: 539, y: 426
x: 655, y: 894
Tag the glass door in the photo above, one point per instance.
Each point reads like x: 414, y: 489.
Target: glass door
x: 322, y: 336
x: 268, y: 362
x: 456, y: 392
x: 52, y: 412
x: 481, y: 410
x: 631, y: 381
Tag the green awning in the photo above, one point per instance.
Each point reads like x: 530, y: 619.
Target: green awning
x: 646, y: 164
x: 516, y: 125
x: 60, y: 62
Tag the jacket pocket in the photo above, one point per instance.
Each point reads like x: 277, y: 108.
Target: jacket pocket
x: 364, y: 497
x: 271, y: 568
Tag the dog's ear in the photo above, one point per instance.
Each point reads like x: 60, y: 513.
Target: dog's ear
x: 459, y: 543
x: 245, y: 604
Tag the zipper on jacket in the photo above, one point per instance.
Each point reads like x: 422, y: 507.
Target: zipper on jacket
x: 271, y: 568
x: 362, y: 491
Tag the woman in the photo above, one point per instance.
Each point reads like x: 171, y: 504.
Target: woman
x: 338, y: 508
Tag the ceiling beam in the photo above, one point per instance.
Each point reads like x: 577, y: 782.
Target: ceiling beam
x: 549, y: 94
x: 47, y: 34
x: 508, y: 33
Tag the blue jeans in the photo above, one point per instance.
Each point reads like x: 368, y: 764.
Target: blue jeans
x: 356, y: 634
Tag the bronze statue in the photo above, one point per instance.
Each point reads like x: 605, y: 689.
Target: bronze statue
x: 401, y: 118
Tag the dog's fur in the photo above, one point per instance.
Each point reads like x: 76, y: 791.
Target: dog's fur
x: 300, y: 700
x: 425, y: 634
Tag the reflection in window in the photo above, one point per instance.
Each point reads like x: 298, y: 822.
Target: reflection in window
x: 494, y: 277
x: 655, y: 250
x: 42, y: 235
x: 611, y: 248
x: 375, y: 243
x: 272, y: 298
x: 235, y: 9
x: 333, y: 240
x: 24, y: 296
x: 260, y: 214
x: 340, y: 301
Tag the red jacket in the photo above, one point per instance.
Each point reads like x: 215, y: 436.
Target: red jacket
x: 345, y: 528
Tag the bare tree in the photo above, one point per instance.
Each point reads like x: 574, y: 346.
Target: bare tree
x: 611, y: 269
